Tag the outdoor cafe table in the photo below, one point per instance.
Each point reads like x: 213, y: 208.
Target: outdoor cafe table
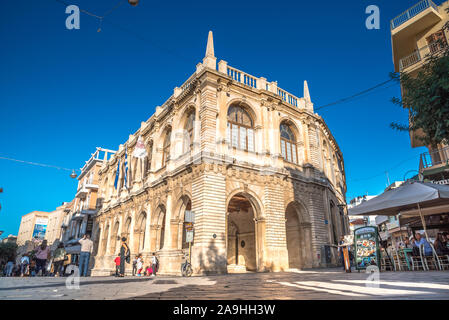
x: 406, y: 251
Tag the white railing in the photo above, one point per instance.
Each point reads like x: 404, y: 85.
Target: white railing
x: 287, y: 97
x: 188, y: 83
x: 242, y: 77
x: 418, y: 55
x: 409, y: 60
x: 413, y: 11
x: 260, y: 83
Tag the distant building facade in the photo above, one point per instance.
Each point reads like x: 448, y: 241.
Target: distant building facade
x: 360, y: 221
x: 55, y: 218
x: 33, y: 226
x: 261, y: 172
x: 415, y: 34
x: 79, y: 214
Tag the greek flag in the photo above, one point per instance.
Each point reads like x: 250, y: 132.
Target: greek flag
x: 126, y: 169
x: 117, y: 174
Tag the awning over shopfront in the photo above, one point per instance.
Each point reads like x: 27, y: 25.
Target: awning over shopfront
x: 412, y: 199
x: 404, y: 198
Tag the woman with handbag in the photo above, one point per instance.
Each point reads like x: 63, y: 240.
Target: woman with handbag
x: 124, y: 256
x: 58, y: 259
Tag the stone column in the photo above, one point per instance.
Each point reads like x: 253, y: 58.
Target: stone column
x: 119, y: 233
x: 147, y: 243
x: 197, y: 127
x: 174, y: 229
x: 305, y: 135
x: 108, y: 240
x: 265, y: 147
x: 131, y: 233
x: 260, y: 243
x: 100, y: 240
x: 168, y: 217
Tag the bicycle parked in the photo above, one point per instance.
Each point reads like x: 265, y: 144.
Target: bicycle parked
x: 186, y: 266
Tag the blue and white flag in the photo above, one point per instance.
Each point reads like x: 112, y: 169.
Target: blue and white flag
x: 126, y: 169
x: 117, y: 175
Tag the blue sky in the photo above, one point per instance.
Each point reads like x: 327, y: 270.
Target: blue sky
x: 65, y: 92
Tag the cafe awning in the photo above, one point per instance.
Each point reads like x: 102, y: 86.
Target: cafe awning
x: 404, y: 198
x: 411, y: 198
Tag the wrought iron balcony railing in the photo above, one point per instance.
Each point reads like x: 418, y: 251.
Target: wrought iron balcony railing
x: 412, y: 12
x: 420, y: 54
x: 435, y: 158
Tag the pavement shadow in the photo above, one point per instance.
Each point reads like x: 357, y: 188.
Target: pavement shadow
x: 82, y: 283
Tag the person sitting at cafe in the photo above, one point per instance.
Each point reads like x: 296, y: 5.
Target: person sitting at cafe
x: 446, y: 239
x: 440, y: 245
x: 420, y: 240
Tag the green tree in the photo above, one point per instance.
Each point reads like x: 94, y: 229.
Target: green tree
x: 426, y: 97
x: 8, y: 251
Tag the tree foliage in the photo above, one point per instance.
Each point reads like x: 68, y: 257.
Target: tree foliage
x: 8, y: 251
x: 426, y: 96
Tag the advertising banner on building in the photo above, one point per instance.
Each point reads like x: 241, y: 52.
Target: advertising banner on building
x: 40, y: 227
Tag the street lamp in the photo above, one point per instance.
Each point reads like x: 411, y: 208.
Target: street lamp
x: 73, y: 175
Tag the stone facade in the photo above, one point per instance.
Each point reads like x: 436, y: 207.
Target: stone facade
x: 259, y: 169
x: 27, y: 225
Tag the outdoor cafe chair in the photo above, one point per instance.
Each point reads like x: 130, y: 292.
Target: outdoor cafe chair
x: 417, y: 262
x: 400, y: 260
x: 441, y: 261
x: 429, y: 260
x: 386, y: 263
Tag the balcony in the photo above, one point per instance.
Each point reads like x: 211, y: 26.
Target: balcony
x: 82, y: 192
x: 435, y: 161
x: 421, y: 15
x: 88, y: 211
x: 420, y: 55
x: 91, y: 186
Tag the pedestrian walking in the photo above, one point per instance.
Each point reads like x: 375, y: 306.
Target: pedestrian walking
x: 134, y: 266
x: 124, y: 256
x: 42, y: 255
x: 24, y: 265
x: 139, y: 265
x: 87, y: 246
x: 340, y: 251
x: 9, y: 268
x: 154, y: 264
x: 32, y: 268
x: 117, y: 265
x: 58, y: 260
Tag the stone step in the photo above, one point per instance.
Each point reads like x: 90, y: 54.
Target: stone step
x: 233, y: 268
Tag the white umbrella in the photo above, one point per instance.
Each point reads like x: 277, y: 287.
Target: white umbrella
x: 411, y: 198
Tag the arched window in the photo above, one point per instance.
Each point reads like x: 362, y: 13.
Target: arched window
x: 166, y: 148
x: 188, y: 207
x: 188, y: 139
x: 240, y: 129
x: 288, y: 144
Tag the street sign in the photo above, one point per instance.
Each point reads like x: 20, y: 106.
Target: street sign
x: 189, y: 216
x: 189, y: 236
x: 189, y: 226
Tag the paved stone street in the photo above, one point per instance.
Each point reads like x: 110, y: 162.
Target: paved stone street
x: 313, y: 284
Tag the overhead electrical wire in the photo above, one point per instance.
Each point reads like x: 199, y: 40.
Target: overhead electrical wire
x: 126, y: 30
x: 358, y: 94
x: 389, y: 169
x: 36, y: 164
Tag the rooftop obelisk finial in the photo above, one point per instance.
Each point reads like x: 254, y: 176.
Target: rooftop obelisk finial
x: 209, y: 60
x: 309, y: 104
x: 210, y: 45
x: 306, y: 92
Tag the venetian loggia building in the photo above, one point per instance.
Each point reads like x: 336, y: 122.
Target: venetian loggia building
x: 259, y: 169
